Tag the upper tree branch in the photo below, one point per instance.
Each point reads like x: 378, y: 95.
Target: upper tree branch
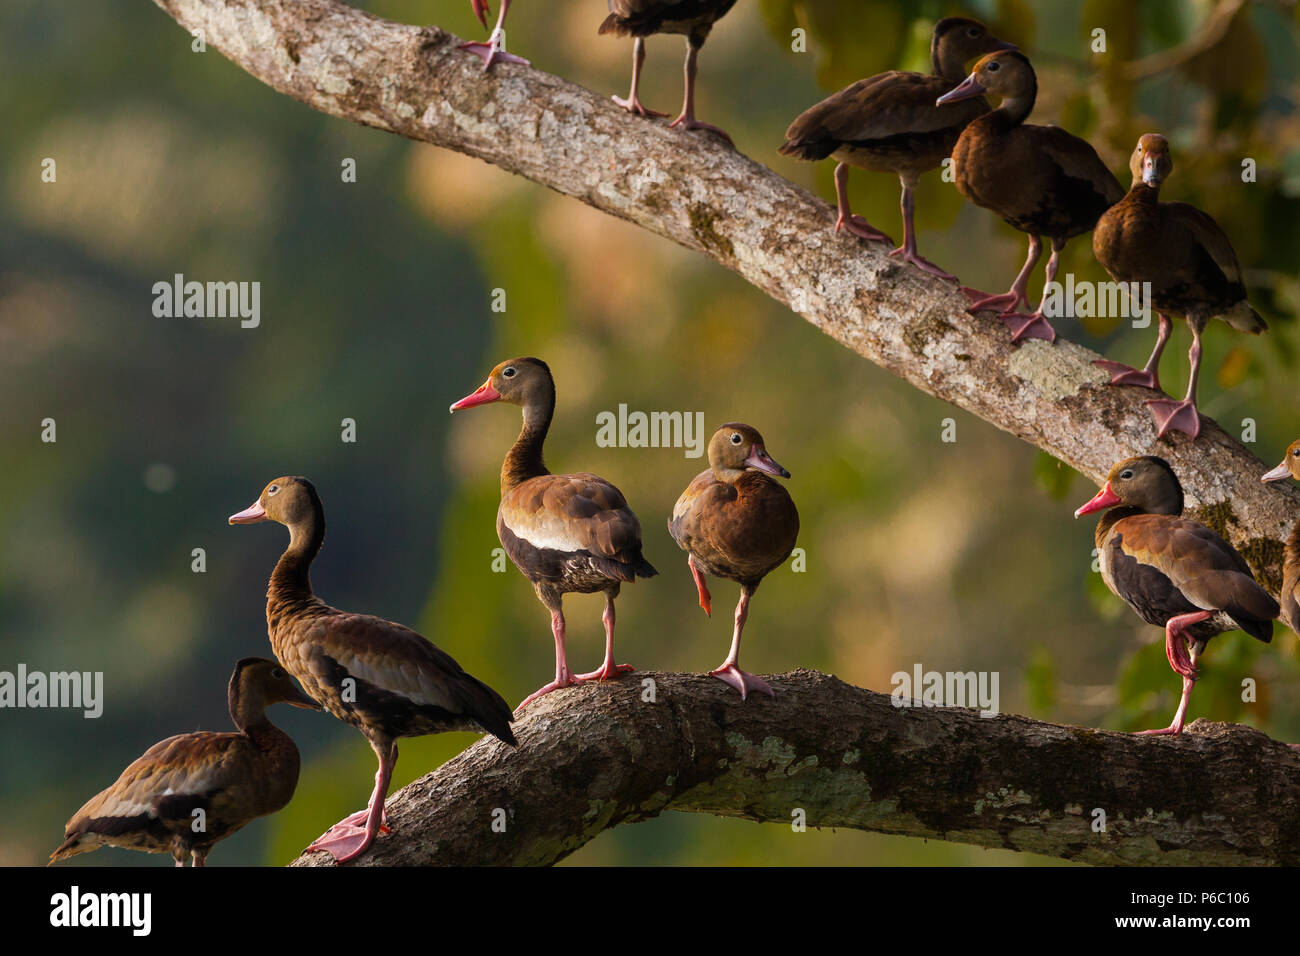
x: 692, y: 189
x: 595, y: 756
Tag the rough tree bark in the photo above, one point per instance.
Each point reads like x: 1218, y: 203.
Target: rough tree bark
x: 596, y: 756
x: 692, y: 189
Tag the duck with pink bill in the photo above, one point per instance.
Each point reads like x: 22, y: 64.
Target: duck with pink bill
x: 1290, y: 468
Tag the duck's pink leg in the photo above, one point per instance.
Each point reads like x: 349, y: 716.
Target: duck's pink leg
x: 1171, y: 415
x: 846, y: 220
x: 1149, y: 377
x: 729, y: 672
x: 908, y: 249
x: 983, y: 302
x: 1182, y: 661
x: 1034, y: 325
x: 608, y: 669
x: 563, y: 678
x: 633, y: 102
x: 346, y: 841
x: 495, y: 48
x: 706, y: 599
x: 686, y: 119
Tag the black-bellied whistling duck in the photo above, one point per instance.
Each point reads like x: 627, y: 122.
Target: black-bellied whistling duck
x: 382, y: 678
x: 495, y: 47
x: 1039, y: 179
x: 188, y: 792
x: 1290, y: 468
x: 564, y: 532
x: 1191, y: 268
x: 642, y: 18
x: 734, y: 521
x: 1173, y: 572
x: 890, y: 123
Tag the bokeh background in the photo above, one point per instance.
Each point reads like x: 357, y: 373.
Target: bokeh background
x: 376, y: 306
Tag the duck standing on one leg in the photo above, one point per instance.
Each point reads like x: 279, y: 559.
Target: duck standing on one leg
x: 891, y: 123
x: 382, y: 678
x: 642, y: 18
x: 1190, y: 266
x: 1039, y: 179
x: 565, y: 533
x: 222, y: 780
x: 734, y: 521
x: 1290, y: 468
x: 1175, y: 573
x: 495, y: 47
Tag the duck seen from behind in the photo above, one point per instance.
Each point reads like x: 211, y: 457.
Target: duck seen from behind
x: 1290, y: 468
x: 891, y: 123
x: 735, y: 521
x: 1175, y: 573
x: 1039, y: 179
x: 1189, y: 264
x: 495, y: 47
x: 643, y: 18
x: 566, y: 533
x: 189, y: 792
x: 382, y: 678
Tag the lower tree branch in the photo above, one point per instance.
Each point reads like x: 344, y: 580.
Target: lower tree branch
x: 596, y: 756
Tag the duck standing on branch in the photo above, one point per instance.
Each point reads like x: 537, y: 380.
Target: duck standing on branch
x: 1039, y: 179
x: 1290, y: 468
x: 891, y: 123
x: 1173, y: 572
x: 734, y: 521
x: 190, y: 791
x: 495, y: 48
x: 1191, y: 268
x: 382, y: 678
x: 642, y: 18
x: 564, y: 532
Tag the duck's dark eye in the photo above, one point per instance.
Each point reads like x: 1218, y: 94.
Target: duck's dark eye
x: 994, y: 66
x: 736, y: 439
x: 273, y: 489
x: 973, y: 32
x: 1126, y: 474
x: 509, y: 372
x: 277, y: 673
x: 1296, y: 453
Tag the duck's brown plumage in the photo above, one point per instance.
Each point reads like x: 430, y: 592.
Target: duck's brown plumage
x: 566, y: 533
x: 233, y: 778
x: 1291, y: 556
x: 891, y: 123
x: 381, y: 677
x: 1039, y: 179
x: 1188, y: 261
x: 1173, y: 572
x: 735, y: 521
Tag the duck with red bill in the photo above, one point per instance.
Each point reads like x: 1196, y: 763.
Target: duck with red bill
x: 1290, y: 468
x: 1173, y: 572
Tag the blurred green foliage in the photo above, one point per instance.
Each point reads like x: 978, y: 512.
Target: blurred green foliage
x: 376, y: 306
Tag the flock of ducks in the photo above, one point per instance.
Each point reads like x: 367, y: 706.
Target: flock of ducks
x: 576, y: 533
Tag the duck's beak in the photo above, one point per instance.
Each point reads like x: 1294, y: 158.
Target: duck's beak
x: 1277, y: 474
x: 1103, y: 499
x: 250, y: 515
x: 1150, y: 175
x: 969, y: 87
x: 760, y: 459
x: 480, y: 396
x: 300, y: 699
x: 1005, y: 47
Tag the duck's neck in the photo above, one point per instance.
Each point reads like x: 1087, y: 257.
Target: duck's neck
x: 524, y: 460
x: 945, y: 63
x: 1014, y: 110
x: 1110, y: 517
x: 248, y: 710
x: 1292, y: 555
x: 1143, y: 192
x: 290, y: 581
